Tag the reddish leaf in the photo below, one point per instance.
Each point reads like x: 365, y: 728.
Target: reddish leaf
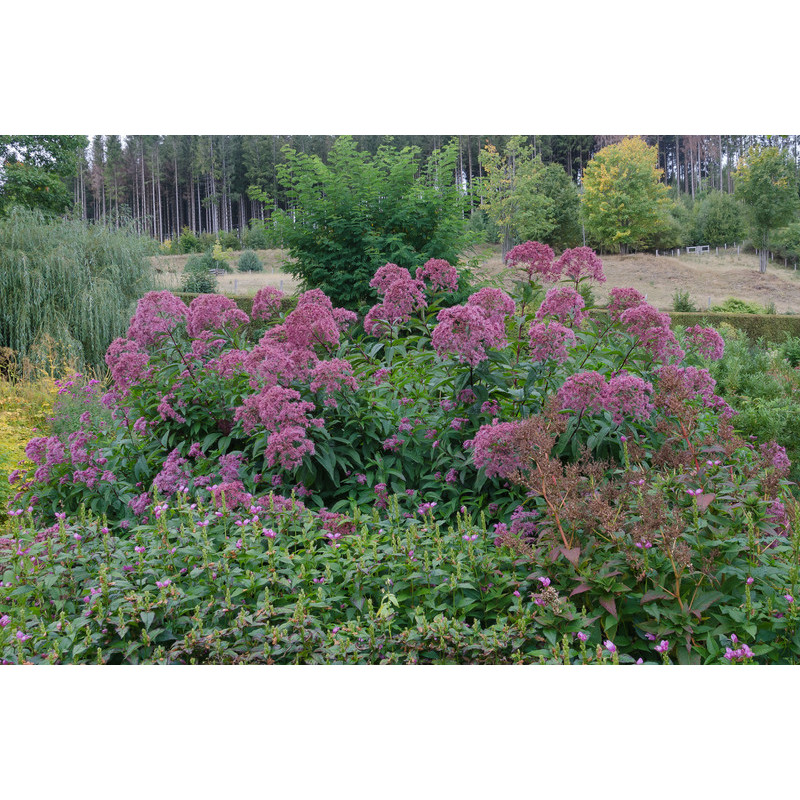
x: 582, y: 587
x: 609, y: 605
x: 572, y: 555
x: 654, y: 595
x: 704, y: 501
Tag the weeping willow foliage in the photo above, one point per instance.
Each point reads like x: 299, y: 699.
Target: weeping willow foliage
x: 70, y: 282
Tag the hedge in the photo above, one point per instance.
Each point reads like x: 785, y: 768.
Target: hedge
x: 770, y: 327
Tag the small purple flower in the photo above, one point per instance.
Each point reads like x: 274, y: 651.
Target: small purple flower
x: 544, y: 581
x: 610, y: 646
x: 139, y: 549
x: 4, y: 620
x: 516, y: 593
x: 163, y: 584
x: 789, y: 599
x: 663, y: 647
x: 77, y: 537
x: 22, y: 636
x: 749, y: 581
x: 650, y: 636
x: 734, y: 638
x: 583, y: 637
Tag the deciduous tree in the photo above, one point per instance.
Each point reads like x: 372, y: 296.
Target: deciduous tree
x: 623, y: 197
x: 766, y: 181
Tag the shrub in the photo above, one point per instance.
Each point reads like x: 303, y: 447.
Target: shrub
x: 187, y: 242
x: 250, y: 262
x: 357, y: 212
x: 682, y: 302
x: 229, y: 240
x: 68, y: 281
x: 256, y: 237
x: 198, y: 277
x: 537, y: 486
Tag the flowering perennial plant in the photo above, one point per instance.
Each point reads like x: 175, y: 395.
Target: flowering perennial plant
x: 563, y: 485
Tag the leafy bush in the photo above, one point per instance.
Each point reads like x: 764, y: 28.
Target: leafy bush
x: 357, y: 212
x: 250, y: 262
x: 490, y: 482
x: 735, y: 306
x: 682, y: 302
x: 197, y: 275
x: 68, y: 281
x: 256, y: 236
x: 229, y: 240
x: 188, y: 242
x: 718, y: 220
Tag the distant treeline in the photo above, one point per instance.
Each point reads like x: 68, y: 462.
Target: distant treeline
x: 211, y: 184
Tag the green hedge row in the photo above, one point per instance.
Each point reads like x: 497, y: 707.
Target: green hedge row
x: 244, y: 303
x: 770, y: 327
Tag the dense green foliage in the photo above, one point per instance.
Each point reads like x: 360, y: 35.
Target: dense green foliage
x: 198, y: 276
x: 767, y: 184
x: 623, y: 202
x: 718, y: 220
x: 526, y: 199
x: 761, y: 383
x: 357, y: 212
x: 68, y: 283
x: 33, y: 169
x: 471, y: 506
x: 250, y: 262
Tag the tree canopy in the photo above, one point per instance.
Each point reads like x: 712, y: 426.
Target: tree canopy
x: 623, y: 197
x: 358, y: 211
x: 766, y: 181
x: 33, y: 170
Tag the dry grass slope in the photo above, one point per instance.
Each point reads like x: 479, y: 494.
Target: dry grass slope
x: 709, y: 279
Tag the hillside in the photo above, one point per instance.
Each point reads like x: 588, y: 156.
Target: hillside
x: 708, y: 276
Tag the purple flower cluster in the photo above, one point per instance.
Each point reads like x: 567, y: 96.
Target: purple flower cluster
x: 563, y: 303
x: 212, y: 312
x: 776, y: 457
x: 580, y: 263
x: 157, y: 314
x: 550, y: 341
x: 495, y: 449
x: 650, y: 328
x: 441, y: 276
x: 625, y: 396
x: 466, y: 331
x: 537, y: 259
x: 622, y: 300
x: 266, y: 303
x: 707, y: 342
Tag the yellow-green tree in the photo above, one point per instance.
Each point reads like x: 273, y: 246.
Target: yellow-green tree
x: 623, y: 197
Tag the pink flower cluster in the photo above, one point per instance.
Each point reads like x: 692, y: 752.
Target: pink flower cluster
x: 696, y: 382
x: 285, y: 416
x: 494, y: 448
x: 212, y: 312
x: 127, y: 362
x: 402, y: 296
x: 564, y: 303
x: 266, y: 303
x: 550, y: 341
x: 172, y: 474
x: 776, y: 457
x: 495, y: 303
x: 622, y: 300
x: 625, y: 396
x: 707, y: 342
x: 537, y: 259
x: 441, y: 276
x: 581, y: 263
x: 157, y: 314
x: 650, y: 328
x: 465, y: 332
x: 334, y: 375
